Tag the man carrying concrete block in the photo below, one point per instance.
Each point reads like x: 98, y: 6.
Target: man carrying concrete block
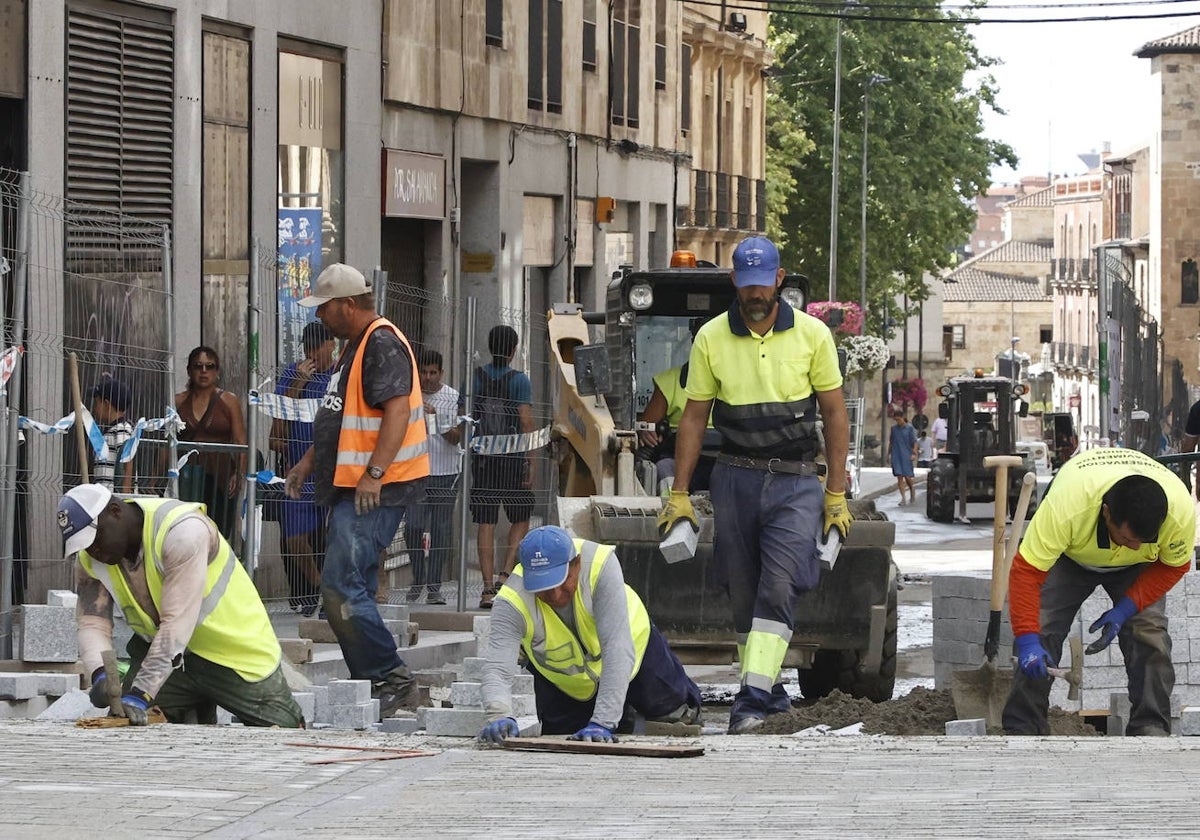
x: 590, y: 644
x: 201, y: 633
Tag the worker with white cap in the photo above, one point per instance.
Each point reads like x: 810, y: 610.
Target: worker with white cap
x: 201, y: 639
x: 589, y: 641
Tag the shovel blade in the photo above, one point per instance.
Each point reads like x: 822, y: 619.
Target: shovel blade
x: 981, y: 693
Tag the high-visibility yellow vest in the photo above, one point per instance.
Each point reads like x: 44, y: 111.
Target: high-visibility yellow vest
x: 361, y: 424
x: 232, y: 629
x: 573, y: 661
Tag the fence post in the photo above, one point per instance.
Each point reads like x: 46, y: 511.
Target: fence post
x: 169, y: 291
x: 20, y: 274
x: 250, y: 544
x: 464, y: 516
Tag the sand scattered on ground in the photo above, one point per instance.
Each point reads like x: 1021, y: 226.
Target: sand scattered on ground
x: 922, y: 711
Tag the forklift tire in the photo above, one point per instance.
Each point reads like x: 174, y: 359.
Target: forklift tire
x: 939, y: 491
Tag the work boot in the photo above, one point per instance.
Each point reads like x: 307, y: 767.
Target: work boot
x: 780, y: 701
x: 750, y: 708
x: 397, y: 690
x: 741, y: 724
x: 685, y: 714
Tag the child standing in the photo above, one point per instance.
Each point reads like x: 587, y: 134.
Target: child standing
x: 110, y: 400
x: 924, y: 450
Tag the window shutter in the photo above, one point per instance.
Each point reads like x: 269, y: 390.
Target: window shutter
x: 120, y: 122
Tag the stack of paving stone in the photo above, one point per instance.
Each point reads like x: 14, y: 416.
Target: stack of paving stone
x: 960, y: 613
x: 46, y: 647
x: 464, y: 715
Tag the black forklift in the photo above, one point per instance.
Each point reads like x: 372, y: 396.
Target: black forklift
x: 980, y: 413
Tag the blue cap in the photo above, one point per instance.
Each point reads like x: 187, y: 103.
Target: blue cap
x: 755, y: 262
x: 546, y: 553
x: 114, y: 391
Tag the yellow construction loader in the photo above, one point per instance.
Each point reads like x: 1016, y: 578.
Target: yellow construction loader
x: 845, y: 631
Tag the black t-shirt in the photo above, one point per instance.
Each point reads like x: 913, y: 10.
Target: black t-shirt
x: 386, y: 373
x: 1193, y: 422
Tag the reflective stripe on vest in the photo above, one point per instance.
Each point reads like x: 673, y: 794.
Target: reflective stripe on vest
x: 361, y: 424
x: 572, y: 661
x: 783, y: 429
x: 232, y: 628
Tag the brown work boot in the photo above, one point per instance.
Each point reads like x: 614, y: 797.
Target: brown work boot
x: 397, y: 690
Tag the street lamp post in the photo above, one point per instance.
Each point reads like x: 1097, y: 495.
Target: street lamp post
x: 837, y: 142
x: 876, y: 79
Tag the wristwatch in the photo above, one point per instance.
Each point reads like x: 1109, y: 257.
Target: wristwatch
x: 375, y: 472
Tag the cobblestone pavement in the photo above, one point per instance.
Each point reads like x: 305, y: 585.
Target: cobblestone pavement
x: 229, y: 782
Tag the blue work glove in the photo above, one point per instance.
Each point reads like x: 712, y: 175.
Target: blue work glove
x: 594, y: 732
x: 99, y: 691
x: 1110, y: 624
x: 1032, y: 658
x: 496, y: 731
x: 136, y: 705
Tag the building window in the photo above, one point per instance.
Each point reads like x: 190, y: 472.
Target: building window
x: 958, y: 336
x: 494, y: 27
x: 1189, y: 282
x: 685, y: 88
x: 660, y: 45
x: 1045, y: 333
x: 545, y: 55
x: 626, y: 48
x: 311, y: 181
x: 589, y: 36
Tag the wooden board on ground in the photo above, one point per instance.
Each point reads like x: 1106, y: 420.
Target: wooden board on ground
x: 552, y: 744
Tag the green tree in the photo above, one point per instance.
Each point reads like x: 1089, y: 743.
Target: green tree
x: 927, y: 151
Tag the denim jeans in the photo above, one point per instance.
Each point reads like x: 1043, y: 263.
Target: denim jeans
x: 436, y: 515
x: 348, y: 584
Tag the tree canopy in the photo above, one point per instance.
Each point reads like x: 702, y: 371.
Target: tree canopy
x: 927, y: 153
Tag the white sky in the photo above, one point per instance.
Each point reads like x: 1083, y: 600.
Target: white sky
x: 1069, y: 87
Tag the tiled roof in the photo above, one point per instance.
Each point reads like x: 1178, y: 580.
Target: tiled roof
x: 1016, y: 251
x: 971, y: 285
x: 1187, y: 41
x: 1039, y: 198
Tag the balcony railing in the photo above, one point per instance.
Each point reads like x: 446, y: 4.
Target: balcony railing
x: 723, y: 215
x: 1124, y: 226
x: 1085, y: 270
x: 760, y: 204
x: 702, y: 199
x: 744, y: 202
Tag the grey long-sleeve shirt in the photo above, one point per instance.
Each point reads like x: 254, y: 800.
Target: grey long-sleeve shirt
x: 611, y: 609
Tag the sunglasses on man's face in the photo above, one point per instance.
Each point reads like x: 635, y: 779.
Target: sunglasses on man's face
x: 204, y: 366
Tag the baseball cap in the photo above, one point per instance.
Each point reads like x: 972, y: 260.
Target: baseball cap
x: 114, y: 391
x: 546, y: 553
x: 77, y: 514
x: 337, y: 281
x: 755, y: 262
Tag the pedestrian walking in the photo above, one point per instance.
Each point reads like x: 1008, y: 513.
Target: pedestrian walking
x: 427, y: 532
x: 902, y: 443
x: 762, y: 369
x: 1112, y: 518
x: 368, y: 461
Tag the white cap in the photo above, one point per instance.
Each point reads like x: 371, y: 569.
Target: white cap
x: 77, y: 514
x: 337, y: 281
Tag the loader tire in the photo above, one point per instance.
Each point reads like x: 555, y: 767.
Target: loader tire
x: 840, y: 668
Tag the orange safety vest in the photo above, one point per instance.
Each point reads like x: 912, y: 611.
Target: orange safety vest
x: 361, y: 423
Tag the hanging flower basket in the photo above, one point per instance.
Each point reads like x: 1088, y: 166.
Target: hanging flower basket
x: 844, y: 318
x: 865, y: 354
x: 910, y: 391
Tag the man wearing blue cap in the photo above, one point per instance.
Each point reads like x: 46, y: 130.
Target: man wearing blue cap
x: 762, y: 369
x: 590, y: 645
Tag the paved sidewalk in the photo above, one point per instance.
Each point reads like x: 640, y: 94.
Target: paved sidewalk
x: 229, y: 782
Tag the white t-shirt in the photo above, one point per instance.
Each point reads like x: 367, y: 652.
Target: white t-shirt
x: 938, y: 430
x: 444, y: 457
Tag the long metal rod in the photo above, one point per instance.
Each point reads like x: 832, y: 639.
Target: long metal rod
x: 250, y: 545
x: 20, y: 273
x: 862, y: 221
x: 464, y: 515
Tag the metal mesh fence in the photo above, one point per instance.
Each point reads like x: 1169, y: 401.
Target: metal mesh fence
x: 1141, y: 391
x: 86, y: 283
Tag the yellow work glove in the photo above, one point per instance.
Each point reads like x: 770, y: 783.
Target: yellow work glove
x: 679, y: 506
x: 837, y: 514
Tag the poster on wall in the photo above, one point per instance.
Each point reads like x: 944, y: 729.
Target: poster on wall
x: 299, y: 254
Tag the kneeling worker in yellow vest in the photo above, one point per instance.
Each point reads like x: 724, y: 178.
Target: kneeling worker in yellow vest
x: 590, y: 645
x: 201, y: 639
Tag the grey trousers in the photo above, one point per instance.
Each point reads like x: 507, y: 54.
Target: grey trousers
x: 1144, y: 640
